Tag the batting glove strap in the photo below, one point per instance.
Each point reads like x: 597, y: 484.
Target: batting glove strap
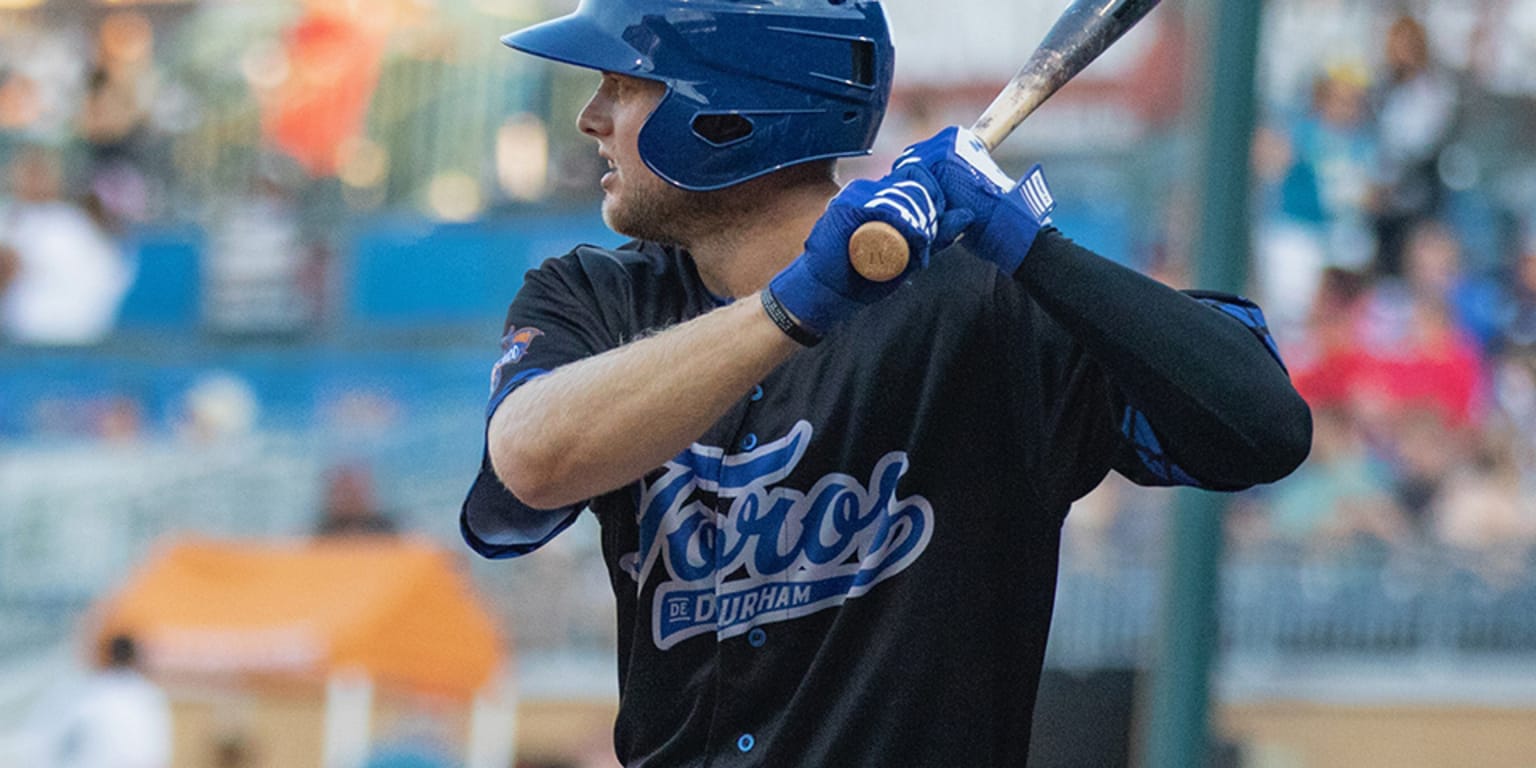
x: 807, y: 302
x: 1015, y: 222
x: 780, y: 316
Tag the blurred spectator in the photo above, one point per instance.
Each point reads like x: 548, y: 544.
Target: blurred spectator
x: 1434, y: 366
x: 1481, y: 513
x: 1386, y: 350
x: 1325, y: 366
x: 219, y: 406
x: 334, y: 53
x: 1318, y: 167
x: 263, y: 274
x: 1334, y: 157
x: 10, y: 266
x: 1427, y: 452
x: 1420, y: 329
x: 1416, y: 109
x: 120, y: 719
x: 1514, y: 373
x: 109, y: 416
x: 233, y: 750
x: 1506, y: 46
x: 350, y: 507
x: 70, y: 277
x: 1433, y: 271
x: 1340, y: 497
x: 20, y: 108
x: 1517, y: 329
x: 114, y: 118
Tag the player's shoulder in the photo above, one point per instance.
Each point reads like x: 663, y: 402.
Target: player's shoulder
x: 638, y: 285
x: 636, y: 260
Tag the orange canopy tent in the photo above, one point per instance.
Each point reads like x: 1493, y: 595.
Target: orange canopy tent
x: 398, y: 610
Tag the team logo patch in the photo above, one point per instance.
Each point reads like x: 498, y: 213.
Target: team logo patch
x: 516, y: 342
x: 775, y: 553
x: 514, y: 346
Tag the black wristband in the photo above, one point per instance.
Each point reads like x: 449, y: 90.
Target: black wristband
x: 780, y: 317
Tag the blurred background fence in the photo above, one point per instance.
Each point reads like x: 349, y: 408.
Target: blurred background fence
x: 254, y: 256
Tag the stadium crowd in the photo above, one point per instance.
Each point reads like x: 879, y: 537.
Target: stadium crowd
x: 1394, y: 253
x: 1409, y: 321
x: 1400, y: 282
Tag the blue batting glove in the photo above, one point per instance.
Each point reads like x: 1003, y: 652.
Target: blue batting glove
x: 820, y: 289
x: 997, y: 217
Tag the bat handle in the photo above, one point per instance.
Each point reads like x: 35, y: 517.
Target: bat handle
x: 877, y: 251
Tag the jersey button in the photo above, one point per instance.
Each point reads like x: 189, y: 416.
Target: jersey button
x: 757, y: 393
x: 746, y: 742
x: 757, y: 638
x: 749, y: 442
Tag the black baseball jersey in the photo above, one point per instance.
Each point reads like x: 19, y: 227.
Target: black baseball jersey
x: 855, y: 566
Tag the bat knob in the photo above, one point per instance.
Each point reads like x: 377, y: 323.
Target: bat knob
x: 878, y: 252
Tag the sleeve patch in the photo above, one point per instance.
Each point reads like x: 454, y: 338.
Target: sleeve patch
x: 516, y: 342
x: 514, y: 347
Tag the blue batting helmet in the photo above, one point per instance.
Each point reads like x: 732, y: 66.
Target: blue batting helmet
x: 752, y: 85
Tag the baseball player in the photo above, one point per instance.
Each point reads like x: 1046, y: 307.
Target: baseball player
x: 831, y: 508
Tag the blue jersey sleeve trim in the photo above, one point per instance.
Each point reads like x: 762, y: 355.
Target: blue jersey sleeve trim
x: 495, y: 524
x: 520, y: 378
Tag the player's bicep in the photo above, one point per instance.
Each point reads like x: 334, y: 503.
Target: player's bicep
x: 551, y: 323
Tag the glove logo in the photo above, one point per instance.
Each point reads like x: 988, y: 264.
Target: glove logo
x: 912, y: 202
x: 1036, y: 195
x: 777, y: 553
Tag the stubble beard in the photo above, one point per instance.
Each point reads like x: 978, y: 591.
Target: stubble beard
x: 656, y: 211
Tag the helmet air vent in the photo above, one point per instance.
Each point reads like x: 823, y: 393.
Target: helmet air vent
x: 863, y: 62
x: 722, y: 129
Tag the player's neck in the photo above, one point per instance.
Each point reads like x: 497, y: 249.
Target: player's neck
x: 739, y: 260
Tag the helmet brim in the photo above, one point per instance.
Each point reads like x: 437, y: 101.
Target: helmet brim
x: 580, y: 39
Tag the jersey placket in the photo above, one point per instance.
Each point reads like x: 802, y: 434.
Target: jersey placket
x: 732, y: 741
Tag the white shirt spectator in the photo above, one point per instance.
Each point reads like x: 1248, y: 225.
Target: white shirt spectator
x: 71, y: 276
x: 119, y: 720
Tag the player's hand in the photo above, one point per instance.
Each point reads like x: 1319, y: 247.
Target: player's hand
x: 998, y: 217
x: 820, y: 289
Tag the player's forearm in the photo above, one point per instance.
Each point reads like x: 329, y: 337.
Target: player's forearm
x: 1202, y: 379
x: 596, y: 424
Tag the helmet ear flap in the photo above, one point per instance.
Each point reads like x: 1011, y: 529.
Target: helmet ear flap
x: 673, y: 146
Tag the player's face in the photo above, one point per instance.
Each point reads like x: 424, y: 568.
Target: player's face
x: 636, y: 202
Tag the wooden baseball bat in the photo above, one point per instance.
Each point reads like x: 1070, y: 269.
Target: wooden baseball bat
x: 1083, y: 31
